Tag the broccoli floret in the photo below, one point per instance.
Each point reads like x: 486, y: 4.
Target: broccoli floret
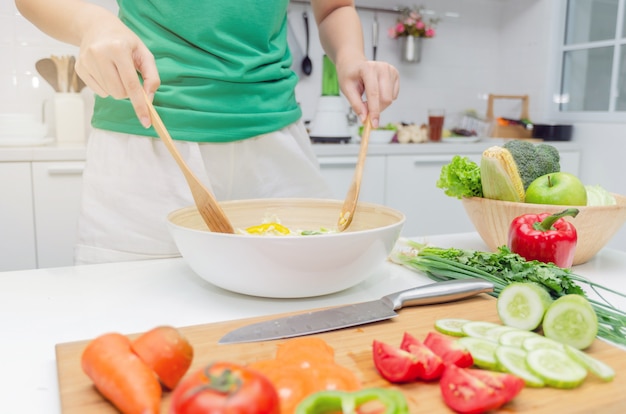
x: 549, y: 158
x: 532, y: 160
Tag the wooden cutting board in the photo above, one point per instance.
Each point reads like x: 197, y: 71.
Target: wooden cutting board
x: 353, y: 349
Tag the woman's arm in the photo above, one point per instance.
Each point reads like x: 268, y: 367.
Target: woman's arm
x: 110, y: 54
x: 341, y: 36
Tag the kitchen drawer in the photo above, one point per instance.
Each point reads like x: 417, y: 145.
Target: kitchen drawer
x: 339, y: 171
x: 57, y: 188
x: 17, y: 227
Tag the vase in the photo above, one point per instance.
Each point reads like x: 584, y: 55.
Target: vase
x: 411, y: 49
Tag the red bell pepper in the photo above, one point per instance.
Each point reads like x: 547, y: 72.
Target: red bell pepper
x: 544, y: 237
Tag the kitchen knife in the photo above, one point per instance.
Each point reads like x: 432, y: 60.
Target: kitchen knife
x: 357, y: 314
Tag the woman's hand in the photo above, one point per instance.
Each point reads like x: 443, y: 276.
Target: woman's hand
x: 341, y: 36
x: 110, y: 54
x: 110, y: 57
x: 378, y: 81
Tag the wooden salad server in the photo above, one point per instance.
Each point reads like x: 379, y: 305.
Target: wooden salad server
x: 352, y: 198
x: 207, y: 205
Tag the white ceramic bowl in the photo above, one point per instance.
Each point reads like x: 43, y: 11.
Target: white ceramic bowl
x: 381, y: 136
x: 287, y: 266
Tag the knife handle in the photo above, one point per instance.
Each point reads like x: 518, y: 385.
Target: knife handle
x: 438, y: 292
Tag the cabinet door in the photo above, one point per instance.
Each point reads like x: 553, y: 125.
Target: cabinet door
x: 570, y: 161
x: 57, y: 191
x: 339, y: 172
x: 412, y: 189
x: 17, y: 228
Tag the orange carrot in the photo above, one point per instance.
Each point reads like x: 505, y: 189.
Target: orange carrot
x: 166, y: 352
x: 120, y: 376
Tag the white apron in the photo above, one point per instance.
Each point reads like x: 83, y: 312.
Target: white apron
x: 131, y: 183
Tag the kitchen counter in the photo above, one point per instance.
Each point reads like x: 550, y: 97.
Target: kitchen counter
x: 41, y: 308
x: 76, y: 152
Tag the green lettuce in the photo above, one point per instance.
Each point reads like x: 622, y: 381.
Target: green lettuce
x: 461, y: 178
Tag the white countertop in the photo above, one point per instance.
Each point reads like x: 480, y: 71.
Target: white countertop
x: 43, y: 307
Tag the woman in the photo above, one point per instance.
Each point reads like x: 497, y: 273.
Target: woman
x: 219, y: 74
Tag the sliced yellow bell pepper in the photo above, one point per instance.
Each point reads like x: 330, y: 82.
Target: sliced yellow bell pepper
x: 265, y: 228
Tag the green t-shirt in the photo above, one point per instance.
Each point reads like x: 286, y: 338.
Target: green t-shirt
x: 225, y: 69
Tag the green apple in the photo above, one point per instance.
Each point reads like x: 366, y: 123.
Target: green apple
x: 558, y: 188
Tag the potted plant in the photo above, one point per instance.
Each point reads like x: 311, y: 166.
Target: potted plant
x: 412, y: 27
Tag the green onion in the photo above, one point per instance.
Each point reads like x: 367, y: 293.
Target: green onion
x: 505, y: 267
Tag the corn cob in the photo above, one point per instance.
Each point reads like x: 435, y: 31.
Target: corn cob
x: 499, y: 175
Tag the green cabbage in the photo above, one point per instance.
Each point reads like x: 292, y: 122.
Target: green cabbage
x: 598, y: 196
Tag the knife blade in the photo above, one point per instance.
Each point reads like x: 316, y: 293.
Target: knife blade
x: 356, y: 314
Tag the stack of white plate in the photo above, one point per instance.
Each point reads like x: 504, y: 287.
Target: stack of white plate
x: 22, y: 130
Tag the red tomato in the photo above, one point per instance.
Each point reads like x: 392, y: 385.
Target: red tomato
x: 473, y: 391
x: 507, y: 384
x: 166, y: 351
x: 432, y: 364
x: 222, y: 388
x: 450, y: 351
x: 394, y: 364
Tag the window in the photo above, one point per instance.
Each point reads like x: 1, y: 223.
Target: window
x: 592, y: 66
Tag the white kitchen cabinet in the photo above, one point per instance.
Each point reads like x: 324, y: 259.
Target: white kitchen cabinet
x: 17, y: 227
x: 339, y: 171
x: 412, y: 188
x: 57, y: 188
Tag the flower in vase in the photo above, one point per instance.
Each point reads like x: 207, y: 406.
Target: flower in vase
x: 411, y: 22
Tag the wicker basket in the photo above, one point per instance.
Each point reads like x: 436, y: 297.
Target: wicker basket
x: 509, y: 131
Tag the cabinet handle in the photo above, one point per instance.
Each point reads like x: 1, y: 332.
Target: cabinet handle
x: 432, y: 159
x: 66, y: 170
x: 338, y: 162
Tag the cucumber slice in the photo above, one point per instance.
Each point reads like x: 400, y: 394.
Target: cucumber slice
x: 571, y: 320
x: 513, y: 360
x: 522, y: 305
x: 483, y: 351
x: 515, y: 337
x: 556, y: 368
x: 539, y: 342
x: 451, y: 326
x: 593, y: 365
x: 478, y: 329
x: 494, y: 333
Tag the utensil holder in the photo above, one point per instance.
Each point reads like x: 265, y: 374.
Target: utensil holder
x: 69, y: 116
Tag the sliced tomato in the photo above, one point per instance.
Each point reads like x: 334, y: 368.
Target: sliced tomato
x: 507, y: 384
x: 473, y: 391
x: 394, y: 364
x: 224, y: 387
x: 432, y: 364
x: 450, y: 351
x: 166, y: 351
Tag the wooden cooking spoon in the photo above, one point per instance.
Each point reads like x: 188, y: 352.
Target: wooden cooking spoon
x: 48, y: 70
x: 207, y: 205
x: 352, y: 198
